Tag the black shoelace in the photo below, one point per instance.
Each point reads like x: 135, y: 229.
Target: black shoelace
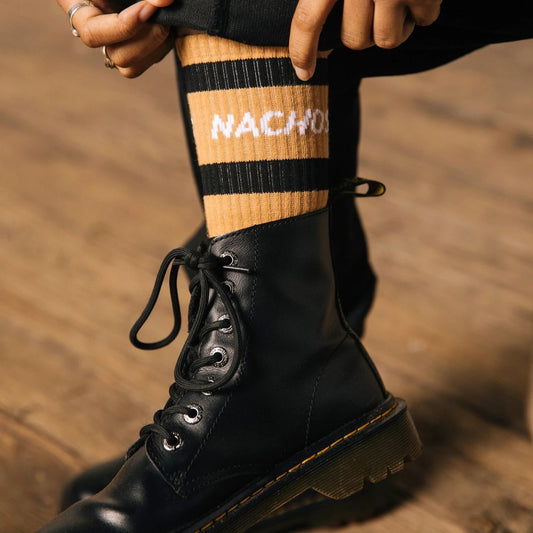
x: 208, y: 268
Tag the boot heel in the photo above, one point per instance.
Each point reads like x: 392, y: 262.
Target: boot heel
x: 383, y: 451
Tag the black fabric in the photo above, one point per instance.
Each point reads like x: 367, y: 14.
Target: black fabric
x: 202, y: 15
x: 266, y: 22
x: 186, y: 121
x: 258, y: 22
x: 271, y: 72
x: 356, y: 281
x: 264, y: 176
x: 462, y: 27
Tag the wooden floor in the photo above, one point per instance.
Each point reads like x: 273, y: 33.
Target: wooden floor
x: 95, y: 188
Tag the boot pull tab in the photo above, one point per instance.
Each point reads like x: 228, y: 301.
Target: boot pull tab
x: 350, y: 187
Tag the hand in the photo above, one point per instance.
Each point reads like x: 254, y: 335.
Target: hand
x: 132, y: 43
x: 384, y: 23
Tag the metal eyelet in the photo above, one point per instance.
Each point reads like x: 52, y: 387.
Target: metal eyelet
x: 172, y: 446
x: 230, y: 285
x: 196, y: 417
x: 223, y: 356
x: 230, y: 257
x: 229, y: 329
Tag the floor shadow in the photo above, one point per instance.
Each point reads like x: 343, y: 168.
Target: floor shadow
x: 444, y: 424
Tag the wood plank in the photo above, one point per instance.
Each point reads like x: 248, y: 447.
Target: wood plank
x: 34, y: 468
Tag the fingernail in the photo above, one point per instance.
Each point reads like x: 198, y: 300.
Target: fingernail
x: 302, y: 73
x: 146, y: 12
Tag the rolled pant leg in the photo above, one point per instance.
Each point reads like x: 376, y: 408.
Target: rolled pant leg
x: 463, y: 26
x: 255, y: 22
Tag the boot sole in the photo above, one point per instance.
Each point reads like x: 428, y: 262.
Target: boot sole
x: 370, y: 451
x: 312, y: 510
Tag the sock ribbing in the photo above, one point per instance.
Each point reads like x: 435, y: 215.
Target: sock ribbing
x: 261, y: 134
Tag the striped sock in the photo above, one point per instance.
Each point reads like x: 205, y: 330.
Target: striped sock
x: 261, y: 134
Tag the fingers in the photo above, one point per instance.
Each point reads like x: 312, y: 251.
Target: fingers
x: 96, y: 29
x: 306, y: 26
x: 133, y: 57
x: 393, y: 24
x: 357, y: 21
x: 131, y: 44
x: 385, y: 23
x: 143, y: 65
x: 425, y: 12
x: 156, y: 57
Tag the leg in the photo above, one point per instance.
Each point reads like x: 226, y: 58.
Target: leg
x: 355, y: 279
x: 281, y: 287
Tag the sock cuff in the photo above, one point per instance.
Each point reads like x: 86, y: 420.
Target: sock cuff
x: 230, y: 212
x: 202, y: 48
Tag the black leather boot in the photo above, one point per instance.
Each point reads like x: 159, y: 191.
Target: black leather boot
x: 273, y: 396
x: 356, y: 287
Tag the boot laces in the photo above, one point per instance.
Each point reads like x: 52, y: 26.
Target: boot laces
x: 204, y: 288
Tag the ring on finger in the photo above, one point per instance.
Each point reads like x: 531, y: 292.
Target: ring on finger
x: 108, y: 62
x: 73, y: 10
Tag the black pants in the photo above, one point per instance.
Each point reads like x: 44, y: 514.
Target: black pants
x: 463, y: 24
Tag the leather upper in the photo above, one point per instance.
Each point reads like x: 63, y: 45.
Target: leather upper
x: 301, y: 376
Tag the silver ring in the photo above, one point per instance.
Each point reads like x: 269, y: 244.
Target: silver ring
x: 108, y: 62
x: 73, y: 10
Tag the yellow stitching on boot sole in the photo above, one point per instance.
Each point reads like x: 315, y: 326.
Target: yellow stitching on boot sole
x: 297, y: 467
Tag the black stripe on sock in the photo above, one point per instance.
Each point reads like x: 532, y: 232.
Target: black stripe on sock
x: 265, y: 176
x: 248, y: 73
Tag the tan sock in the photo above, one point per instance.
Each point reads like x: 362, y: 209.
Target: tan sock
x: 261, y: 134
